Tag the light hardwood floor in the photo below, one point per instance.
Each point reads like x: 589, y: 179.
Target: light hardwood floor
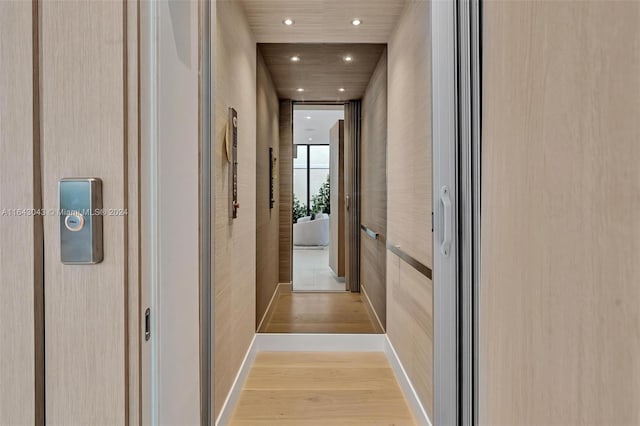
x: 337, y: 312
x: 321, y: 388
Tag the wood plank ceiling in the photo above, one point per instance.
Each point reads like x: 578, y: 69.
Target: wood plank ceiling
x: 322, y: 69
x: 322, y: 21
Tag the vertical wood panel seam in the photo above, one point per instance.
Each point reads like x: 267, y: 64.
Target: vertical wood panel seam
x: 139, y: 206
x: 125, y: 201
x: 38, y: 243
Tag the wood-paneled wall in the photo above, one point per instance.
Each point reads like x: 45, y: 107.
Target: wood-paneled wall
x: 336, y: 225
x: 267, y: 219
x: 21, y: 286
x: 409, y: 196
x: 69, y: 108
x: 410, y: 324
x: 373, y: 189
x: 560, y: 317
x: 234, y: 240
x: 326, y: 21
x: 83, y: 93
x: 285, y: 170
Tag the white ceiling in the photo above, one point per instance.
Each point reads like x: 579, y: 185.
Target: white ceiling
x: 323, y: 118
x: 323, y: 21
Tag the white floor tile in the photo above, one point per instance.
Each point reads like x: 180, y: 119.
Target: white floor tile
x: 311, y: 271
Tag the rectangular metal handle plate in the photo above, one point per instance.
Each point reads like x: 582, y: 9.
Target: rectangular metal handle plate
x: 80, y: 211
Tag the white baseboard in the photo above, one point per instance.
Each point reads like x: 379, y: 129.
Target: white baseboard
x: 267, y: 312
x: 234, y: 394
x: 322, y: 343
x: 285, y: 342
x: 410, y: 394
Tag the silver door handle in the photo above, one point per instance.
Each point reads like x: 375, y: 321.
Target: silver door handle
x: 347, y: 201
x: 445, y: 199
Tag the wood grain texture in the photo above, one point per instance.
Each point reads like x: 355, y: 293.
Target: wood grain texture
x: 285, y: 173
x: 20, y: 273
x: 314, y: 312
x: 336, y: 225
x: 321, y: 70
x: 134, y: 314
x: 409, y: 197
x: 83, y: 134
x: 267, y: 219
x: 373, y: 189
x: 560, y: 325
x: 352, y: 144
x: 409, y: 162
x: 235, y: 241
x: 410, y: 324
x: 322, y: 21
x: 306, y: 388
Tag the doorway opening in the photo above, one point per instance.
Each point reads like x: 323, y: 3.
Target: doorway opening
x: 318, y: 185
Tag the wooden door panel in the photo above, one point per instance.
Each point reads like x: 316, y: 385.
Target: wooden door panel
x: 83, y: 118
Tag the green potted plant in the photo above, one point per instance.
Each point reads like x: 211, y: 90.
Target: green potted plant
x: 321, y: 202
x: 299, y: 209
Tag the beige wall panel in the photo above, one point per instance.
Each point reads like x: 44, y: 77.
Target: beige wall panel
x: 409, y: 197
x: 336, y: 220
x: 373, y: 274
x: 235, y: 240
x: 83, y: 134
x: 267, y: 219
x: 20, y: 286
x: 373, y: 190
x: 409, y: 166
x: 560, y: 325
x: 135, y: 317
x: 410, y: 324
x: 285, y: 170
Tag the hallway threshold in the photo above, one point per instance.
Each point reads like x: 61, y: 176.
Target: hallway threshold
x: 283, y: 366
x: 319, y: 312
x: 321, y: 388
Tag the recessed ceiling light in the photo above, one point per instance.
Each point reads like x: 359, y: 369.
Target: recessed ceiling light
x: 300, y: 89
x: 348, y: 58
x: 288, y: 22
x: 295, y: 59
x: 341, y: 89
x: 308, y: 117
x: 355, y: 22
x: 310, y: 139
